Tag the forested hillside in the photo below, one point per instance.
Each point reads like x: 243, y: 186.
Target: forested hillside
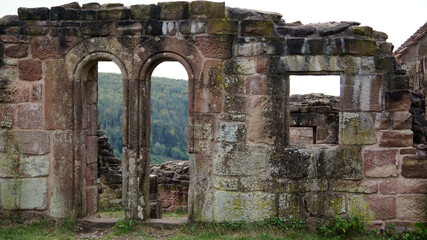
x: 169, y: 115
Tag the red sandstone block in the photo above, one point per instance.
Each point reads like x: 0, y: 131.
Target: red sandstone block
x: 30, y: 70
x: 406, y: 151
x: 58, y: 96
x: 32, y: 142
x: 37, y: 93
x: 384, y: 207
x: 414, y: 166
x: 16, y: 94
x: 397, y: 101
x: 92, y: 199
x: 92, y: 149
x: 91, y: 174
x: 30, y: 116
x: 380, y: 163
x: 255, y: 85
x: 396, y: 138
x: 218, y: 46
x: 402, y: 120
x: 403, y: 186
x: 262, y: 64
x: 17, y: 51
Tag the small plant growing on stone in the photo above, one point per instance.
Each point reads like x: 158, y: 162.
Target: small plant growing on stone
x: 343, y: 227
x: 124, y: 226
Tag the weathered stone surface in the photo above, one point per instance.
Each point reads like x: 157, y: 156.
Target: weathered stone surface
x: 402, y: 120
x: 360, y: 47
x: 35, y: 166
x: 30, y: 70
x: 32, y: 142
x: 356, y: 129
x: 265, y: 124
x: 209, y: 99
x: 172, y: 10
x: 325, y: 204
x: 397, y: 101
x: 380, y: 163
x: 411, y: 207
x: 222, y: 27
x: 292, y: 163
x: 239, y: 159
x: 205, y: 9
x: 58, y: 97
x: 44, y: 47
x: 215, y: 46
x: 37, y: 93
x: 143, y: 11
x: 256, y: 28
x: 358, y: 205
x: 192, y: 27
x: 17, y: 51
x: 396, y: 138
x: 232, y: 206
x: 61, y: 201
x: 348, y: 163
x: 24, y: 194
x: 356, y: 186
x: 384, y: 207
x: 403, y: 186
x: 303, y: 186
x: 8, y: 73
x: 414, y: 166
x: 33, y: 13
x: 98, y: 29
x: 30, y: 116
x: 290, y: 206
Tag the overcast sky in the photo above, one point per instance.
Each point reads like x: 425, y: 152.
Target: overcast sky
x: 398, y: 18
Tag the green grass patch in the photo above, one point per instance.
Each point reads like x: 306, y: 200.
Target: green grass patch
x: 116, y: 212
x: 174, y: 215
x: 274, y: 228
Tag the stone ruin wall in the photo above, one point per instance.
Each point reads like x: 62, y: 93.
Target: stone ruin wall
x: 172, y: 178
x: 109, y: 177
x: 241, y: 164
x: 412, y: 57
x: 314, y: 119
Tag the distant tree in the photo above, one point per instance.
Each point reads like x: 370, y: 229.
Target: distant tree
x: 169, y: 115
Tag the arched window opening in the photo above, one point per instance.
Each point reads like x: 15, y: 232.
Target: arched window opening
x: 110, y: 142
x: 169, y: 171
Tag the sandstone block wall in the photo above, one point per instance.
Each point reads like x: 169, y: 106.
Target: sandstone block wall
x: 172, y: 185
x: 109, y: 175
x: 314, y: 119
x: 238, y: 61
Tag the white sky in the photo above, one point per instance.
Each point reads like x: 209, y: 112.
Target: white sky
x: 398, y: 18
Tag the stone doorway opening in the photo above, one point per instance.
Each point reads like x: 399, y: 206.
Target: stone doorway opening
x: 169, y: 157
x: 110, y: 139
x: 314, y: 109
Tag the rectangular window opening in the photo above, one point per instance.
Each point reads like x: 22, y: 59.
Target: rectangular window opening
x: 314, y: 109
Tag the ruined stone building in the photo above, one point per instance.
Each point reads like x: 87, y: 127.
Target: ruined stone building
x: 242, y: 165
x: 412, y: 57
